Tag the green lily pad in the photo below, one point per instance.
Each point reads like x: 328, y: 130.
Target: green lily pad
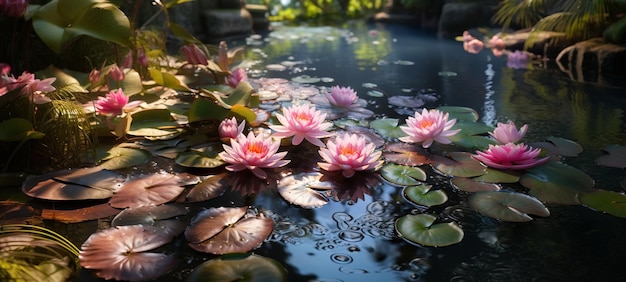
x: 462, y: 164
x: 472, y: 135
x: 420, y: 229
x: 615, y: 157
x: 460, y: 113
x: 120, y: 157
x: 18, y: 129
x: 387, y: 127
x: 403, y: 175
x: 508, y: 206
x: 423, y: 196
x: 556, y: 183
x: 472, y: 185
x: 153, y: 122
x: 559, y: 146
x: 238, y: 267
x: 205, y: 156
x: 499, y: 176
x: 611, y: 202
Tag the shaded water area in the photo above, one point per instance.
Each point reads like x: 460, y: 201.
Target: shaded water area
x: 353, y: 238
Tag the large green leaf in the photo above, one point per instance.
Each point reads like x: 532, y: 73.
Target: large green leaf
x: 180, y: 32
x: 59, y: 22
x: 460, y: 113
x: 507, y: 206
x: 423, y: 196
x: 124, y: 157
x: 403, y: 175
x: 611, y: 202
x: 153, y: 122
x: 238, y: 267
x: 241, y: 94
x: 555, y: 182
x: 462, y: 164
x: 18, y: 129
x: 206, y: 109
x: 387, y: 127
x: 168, y: 80
x: 200, y: 157
x: 420, y: 229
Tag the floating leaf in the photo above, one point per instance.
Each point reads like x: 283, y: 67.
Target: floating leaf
x: 153, y: 122
x: 168, y: 80
x: 611, y: 202
x: 420, y: 229
x: 472, y: 185
x: 559, y: 146
x: 462, y: 164
x: 615, y: 157
x: 152, y: 189
x: 472, y: 135
x: 13, y: 212
x: 227, y: 230
x: 208, y: 189
x: 80, y: 214
x: 120, y: 253
x: 120, y: 157
x: 556, y: 183
x: 499, y: 176
x: 18, y: 129
x: 507, y: 206
x: 406, y: 154
x: 77, y: 184
x: 148, y: 215
x: 403, y: 175
x: 201, y: 157
x: 460, y: 113
x: 305, y: 79
x: 387, y: 127
x: 239, y: 267
x: 375, y: 93
x: 423, y: 196
x: 305, y: 190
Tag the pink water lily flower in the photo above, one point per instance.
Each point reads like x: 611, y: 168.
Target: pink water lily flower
x: 302, y: 122
x: 349, y: 153
x: 510, y: 156
x: 341, y: 96
x: 471, y: 44
x: 13, y: 8
x: 35, y: 88
x: 237, y: 75
x: 427, y: 127
x: 497, y: 45
x: 228, y: 129
x: 116, y: 73
x: 195, y: 55
x: 517, y: 59
x: 115, y: 103
x: 253, y: 153
x: 508, y: 133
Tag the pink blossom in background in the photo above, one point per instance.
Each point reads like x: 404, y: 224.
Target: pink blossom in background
x: 13, y: 8
x: 35, y: 88
x: 517, y: 59
x: 116, y: 73
x: 349, y: 153
x: 302, y: 122
x: 228, y: 129
x: 471, y: 44
x: 427, y: 127
x: 341, y: 96
x: 508, y: 133
x: 142, y: 59
x: 497, y: 46
x: 195, y: 55
x: 5, y: 69
x: 510, y: 156
x: 237, y: 75
x: 115, y: 103
x: 254, y: 153
x: 94, y: 77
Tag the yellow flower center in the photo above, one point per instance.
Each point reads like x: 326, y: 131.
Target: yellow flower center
x: 255, y: 147
x: 425, y: 123
x: 347, y: 150
x: 303, y: 116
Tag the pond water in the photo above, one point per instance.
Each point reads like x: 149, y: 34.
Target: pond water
x: 353, y: 238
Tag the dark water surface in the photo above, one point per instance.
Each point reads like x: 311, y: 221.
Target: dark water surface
x: 574, y: 244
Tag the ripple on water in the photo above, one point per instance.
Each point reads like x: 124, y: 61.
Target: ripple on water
x: 341, y: 258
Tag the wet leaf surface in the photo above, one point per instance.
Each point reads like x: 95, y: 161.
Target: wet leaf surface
x: 559, y: 146
x: 387, y: 127
x: 239, y: 267
x: 460, y: 164
x: 77, y: 184
x: 148, y: 215
x: 403, y: 175
x: 420, y: 229
x: 422, y: 195
x: 305, y: 189
x: 508, y: 206
x: 119, y: 158
x: 80, y: 214
x: 610, y: 202
x: 473, y: 185
x: 209, y: 188
x: 147, y: 190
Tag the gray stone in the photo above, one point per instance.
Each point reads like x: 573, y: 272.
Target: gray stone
x: 222, y: 23
x: 594, y: 60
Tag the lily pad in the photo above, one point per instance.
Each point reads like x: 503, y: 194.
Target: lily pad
x: 239, y: 267
x: 420, y: 229
x: 615, y: 157
x: 209, y: 188
x: 305, y: 190
x: 148, y: 215
x: 305, y: 79
x: 472, y: 185
x: 152, y: 189
x: 611, y: 202
x: 120, y: 157
x: 18, y: 129
x: 79, y: 214
x: 559, y: 146
x: 423, y: 196
x: 508, y: 206
x: 460, y: 113
x: 556, y: 183
x: 499, y: 176
x: 153, y: 122
x: 227, y: 230
x: 387, y: 127
x: 462, y: 164
x: 403, y: 175
x: 406, y: 154
x: 205, y: 156
x: 77, y: 184
x: 472, y: 135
